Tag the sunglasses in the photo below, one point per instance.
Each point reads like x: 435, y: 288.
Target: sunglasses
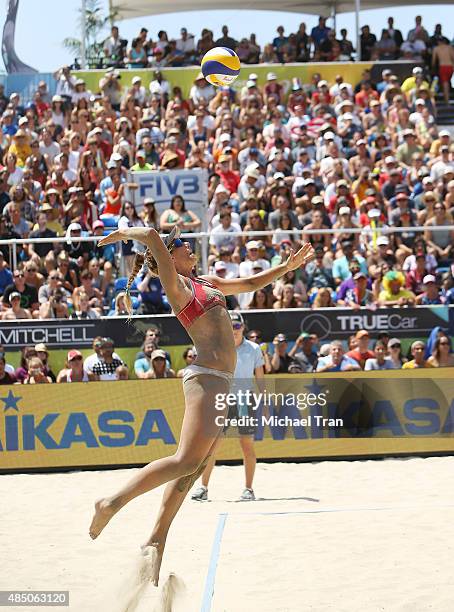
x: 444, y: 343
x: 177, y: 243
x: 19, y: 275
x: 75, y: 359
x: 394, y: 346
x: 237, y: 325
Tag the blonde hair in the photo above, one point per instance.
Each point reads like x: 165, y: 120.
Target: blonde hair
x: 322, y: 293
x: 139, y: 260
x: 147, y: 258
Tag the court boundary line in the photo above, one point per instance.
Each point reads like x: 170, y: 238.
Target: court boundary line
x: 210, y: 580
x: 213, y: 564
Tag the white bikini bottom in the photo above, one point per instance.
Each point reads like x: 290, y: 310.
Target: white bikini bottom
x: 195, y: 370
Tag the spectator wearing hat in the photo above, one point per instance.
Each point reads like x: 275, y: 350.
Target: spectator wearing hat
x: 361, y: 353
x: 431, y: 294
x: 149, y: 213
x: 281, y: 360
x: 395, y: 353
x: 317, y: 273
x: 142, y: 365
x: 418, y: 361
x: 252, y: 258
x: 443, y: 138
x: 28, y: 294
x: 442, y: 163
x: 201, y: 90
x: 225, y: 206
x: 105, y: 365
x: 232, y: 268
x: 42, y: 352
x: 251, y: 182
x: 159, y: 367
x: 141, y: 164
x: 359, y: 295
x: 344, y: 222
x: 304, y: 354
x: 15, y: 310
x: 393, y: 293
x: 363, y: 183
x: 229, y: 178
x: 96, y: 355
x: 36, y: 373
x: 414, y: 278
x: 272, y: 88
x: 341, y: 265
x: 408, y: 148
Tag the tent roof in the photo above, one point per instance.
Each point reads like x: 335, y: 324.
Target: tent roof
x: 128, y: 9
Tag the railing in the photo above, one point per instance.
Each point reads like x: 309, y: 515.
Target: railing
x: 204, y: 237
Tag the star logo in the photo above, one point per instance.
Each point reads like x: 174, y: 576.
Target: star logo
x: 314, y: 387
x: 10, y: 401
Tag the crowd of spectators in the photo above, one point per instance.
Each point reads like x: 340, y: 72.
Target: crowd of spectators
x: 306, y: 354
x: 365, y: 160
x: 319, y: 44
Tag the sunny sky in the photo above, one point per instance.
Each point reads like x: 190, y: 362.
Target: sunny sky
x: 41, y: 26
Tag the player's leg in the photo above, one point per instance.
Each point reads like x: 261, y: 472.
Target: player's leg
x: 174, y: 495
x: 250, y: 459
x: 198, y: 433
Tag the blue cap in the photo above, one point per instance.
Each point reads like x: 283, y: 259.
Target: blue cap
x: 253, y: 150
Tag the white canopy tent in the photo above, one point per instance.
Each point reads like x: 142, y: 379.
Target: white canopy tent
x: 139, y: 8
x: 128, y: 9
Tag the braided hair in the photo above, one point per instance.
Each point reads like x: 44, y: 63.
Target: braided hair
x: 146, y: 258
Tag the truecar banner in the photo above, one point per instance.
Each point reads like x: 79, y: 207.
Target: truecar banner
x: 133, y: 422
x: 191, y: 185
x: 328, y: 324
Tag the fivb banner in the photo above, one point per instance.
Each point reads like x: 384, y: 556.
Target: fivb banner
x: 192, y: 185
x: 303, y: 417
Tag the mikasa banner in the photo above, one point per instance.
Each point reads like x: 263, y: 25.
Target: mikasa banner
x: 133, y: 422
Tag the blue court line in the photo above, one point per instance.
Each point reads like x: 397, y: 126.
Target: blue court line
x: 215, y: 550
x: 211, y: 574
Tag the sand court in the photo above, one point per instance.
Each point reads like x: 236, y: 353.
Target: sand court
x: 362, y: 536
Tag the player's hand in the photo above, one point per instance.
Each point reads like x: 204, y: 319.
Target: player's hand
x: 113, y: 237
x: 303, y: 256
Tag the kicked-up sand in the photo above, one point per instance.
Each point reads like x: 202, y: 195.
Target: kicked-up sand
x: 353, y: 536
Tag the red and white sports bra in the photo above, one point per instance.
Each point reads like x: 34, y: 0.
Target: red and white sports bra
x: 204, y: 297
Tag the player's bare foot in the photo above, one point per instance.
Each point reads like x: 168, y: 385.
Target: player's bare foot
x: 152, y: 555
x: 103, y: 513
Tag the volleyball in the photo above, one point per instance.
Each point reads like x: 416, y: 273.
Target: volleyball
x: 220, y: 66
